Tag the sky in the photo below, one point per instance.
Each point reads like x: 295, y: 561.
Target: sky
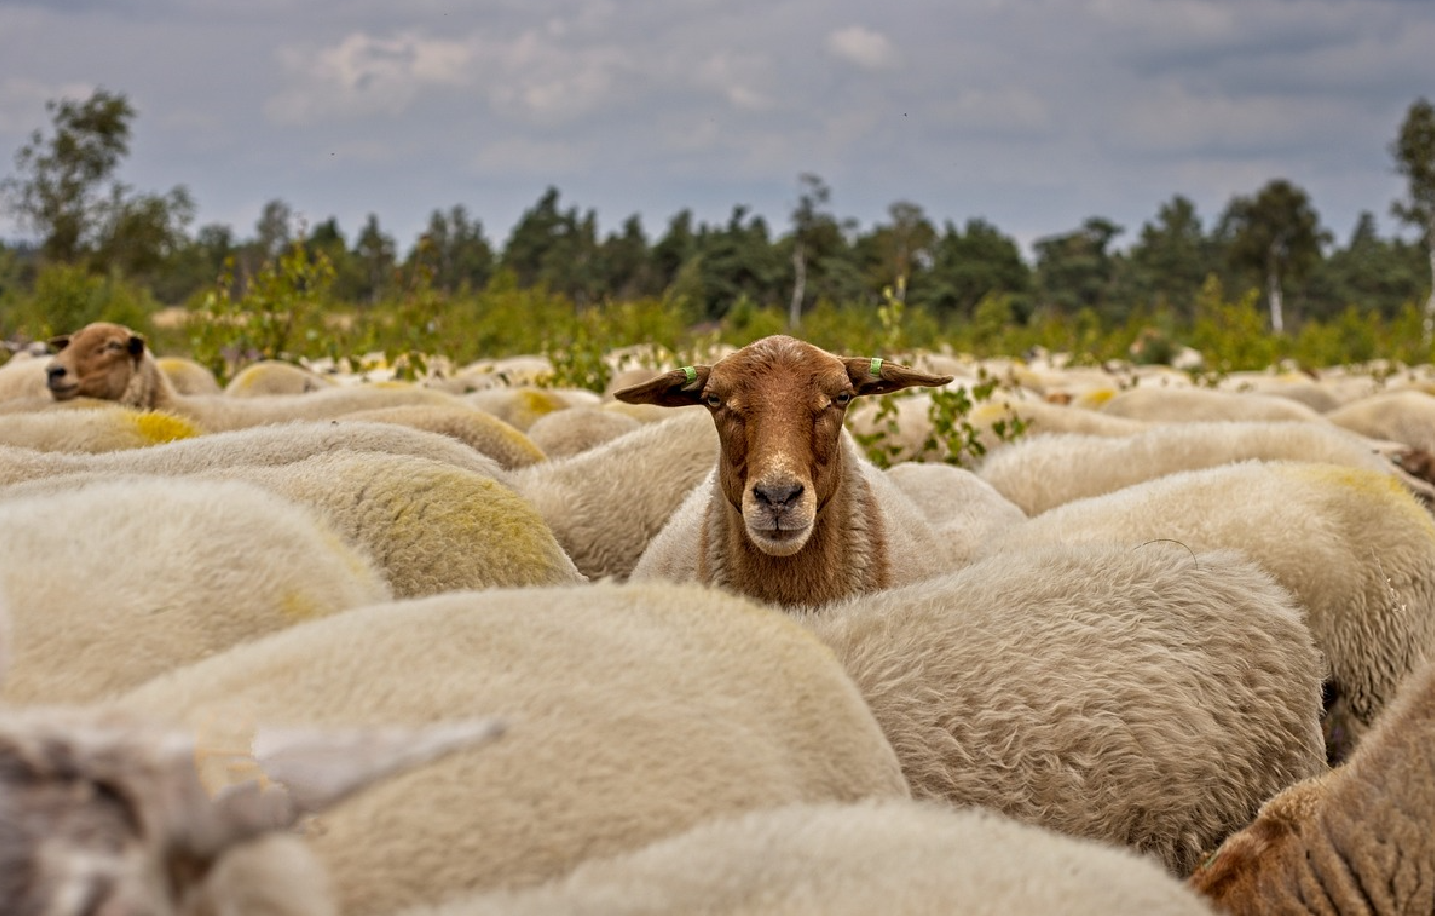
x: 1031, y: 114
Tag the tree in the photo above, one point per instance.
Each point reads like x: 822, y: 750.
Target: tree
x: 377, y: 253
x: 461, y: 254
x: 1414, y: 152
x: 145, y: 233
x: 1276, y: 233
x: 1169, y: 263
x: 970, y: 264
x: 815, y: 235
x: 60, y: 190
x: 1075, y: 270
x: 900, y: 248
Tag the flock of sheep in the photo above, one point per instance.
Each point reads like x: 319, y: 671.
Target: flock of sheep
x: 303, y: 648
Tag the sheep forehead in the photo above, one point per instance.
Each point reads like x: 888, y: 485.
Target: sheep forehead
x: 94, y: 336
x: 778, y: 369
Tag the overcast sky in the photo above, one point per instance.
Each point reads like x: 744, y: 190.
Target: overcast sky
x: 1033, y: 114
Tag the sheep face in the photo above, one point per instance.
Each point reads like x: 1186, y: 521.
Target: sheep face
x: 98, y: 361
x: 101, y: 815
x: 778, y: 405
x: 1233, y: 878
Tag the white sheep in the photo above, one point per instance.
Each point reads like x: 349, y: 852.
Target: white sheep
x: 278, y: 444
x: 1048, y: 471
x: 23, y: 378
x: 187, y: 376
x: 1186, y: 405
x: 1352, y: 545
x: 578, y: 429
x: 275, y: 377
x: 638, y: 712
x: 429, y: 527
x: 966, y: 510
x: 115, y: 583
x: 1358, y: 840
x: 101, y: 813
x: 1402, y: 416
x: 791, y: 514
x: 896, y: 858
x: 1148, y: 697
x: 475, y: 428
x: 605, y: 505
x: 106, y: 429
x: 111, y: 362
x: 522, y: 407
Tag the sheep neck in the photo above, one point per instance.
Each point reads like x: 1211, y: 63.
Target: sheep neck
x: 846, y: 554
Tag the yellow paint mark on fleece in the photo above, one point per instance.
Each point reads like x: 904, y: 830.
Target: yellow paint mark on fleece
x: 156, y: 427
x: 987, y: 413
x: 298, y: 606
x: 1093, y: 400
x: 393, y: 384
x: 1378, y: 487
x: 540, y: 403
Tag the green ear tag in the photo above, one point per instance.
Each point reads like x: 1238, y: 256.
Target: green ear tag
x: 691, y: 373
x: 876, y: 367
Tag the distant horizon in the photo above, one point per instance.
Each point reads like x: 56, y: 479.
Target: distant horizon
x: 1033, y: 116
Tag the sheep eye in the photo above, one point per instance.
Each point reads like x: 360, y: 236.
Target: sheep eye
x: 713, y: 400
x: 843, y: 399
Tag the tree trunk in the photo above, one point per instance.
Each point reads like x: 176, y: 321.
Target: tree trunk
x: 1430, y: 303
x: 1273, y: 293
x: 799, y: 287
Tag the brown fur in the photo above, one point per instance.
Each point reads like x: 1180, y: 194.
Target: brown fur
x: 1358, y: 840
x: 109, y: 362
x: 788, y: 488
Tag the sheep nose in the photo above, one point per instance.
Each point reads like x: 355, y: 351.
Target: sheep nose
x: 777, y: 496
x: 55, y: 372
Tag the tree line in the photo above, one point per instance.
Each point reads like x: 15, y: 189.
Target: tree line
x: 65, y: 192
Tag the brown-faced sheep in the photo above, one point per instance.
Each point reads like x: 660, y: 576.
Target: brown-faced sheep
x: 638, y: 712
x: 104, y: 814
x: 1048, y: 471
x: 1353, y: 546
x: 602, y: 505
x: 1144, y: 697
x: 578, y: 429
x: 1358, y: 840
x: 115, y: 583
x: 890, y: 857
x: 105, y: 429
x: 111, y: 362
x: 268, y: 446
x: 792, y: 514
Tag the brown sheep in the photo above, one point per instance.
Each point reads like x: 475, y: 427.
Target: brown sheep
x: 792, y: 513
x: 1357, y: 840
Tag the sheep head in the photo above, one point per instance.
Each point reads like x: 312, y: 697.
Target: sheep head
x: 103, y: 814
x: 778, y: 405
x: 97, y: 361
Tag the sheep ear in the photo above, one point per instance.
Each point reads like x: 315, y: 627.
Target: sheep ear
x: 59, y: 342
x: 678, y: 388
x: 135, y: 346
x: 305, y: 771
x: 878, y: 376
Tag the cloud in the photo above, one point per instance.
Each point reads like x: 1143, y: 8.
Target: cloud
x: 863, y: 47
x: 22, y: 102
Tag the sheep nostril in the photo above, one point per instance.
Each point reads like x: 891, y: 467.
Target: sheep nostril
x: 55, y: 372
x: 778, y: 496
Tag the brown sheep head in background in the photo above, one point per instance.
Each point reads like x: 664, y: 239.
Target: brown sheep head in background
x: 97, y: 361
x: 778, y: 404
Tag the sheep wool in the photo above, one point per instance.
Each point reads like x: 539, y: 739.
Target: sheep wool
x: 106, y: 429
x: 274, y: 377
x: 1401, y: 416
x: 891, y: 857
x: 264, y: 446
x: 118, y: 582
x: 578, y: 429
x: 522, y: 407
x: 1186, y: 405
x: 23, y: 378
x: 1355, y: 841
x: 1352, y: 545
x: 1048, y: 471
x: 965, y: 509
x: 1144, y: 697
x: 475, y: 428
x: 187, y: 376
x: 607, y: 504
x: 674, y: 705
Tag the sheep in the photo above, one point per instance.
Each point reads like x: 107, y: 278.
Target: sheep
x: 522, y: 407
x: 1354, y: 547
x: 650, y: 413
x: 578, y: 429
x: 123, y: 580
x: 23, y: 378
x: 275, y: 377
x: 1402, y: 416
x: 101, y: 813
x: 1358, y: 840
x: 105, y: 429
x: 644, y: 710
x: 892, y: 857
x: 475, y: 428
x: 1048, y: 471
x: 259, y: 446
x: 603, y: 506
x: 429, y: 527
x: 791, y: 514
x: 1171, y: 405
x: 1146, y: 697
x: 966, y: 510
x: 111, y: 362
x: 187, y: 376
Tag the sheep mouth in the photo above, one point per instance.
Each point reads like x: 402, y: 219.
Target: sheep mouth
x: 778, y: 540
x: 64, y: 392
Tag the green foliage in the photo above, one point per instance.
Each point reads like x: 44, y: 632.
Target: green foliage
x: 67, y: 297
x: 1232, y: 334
